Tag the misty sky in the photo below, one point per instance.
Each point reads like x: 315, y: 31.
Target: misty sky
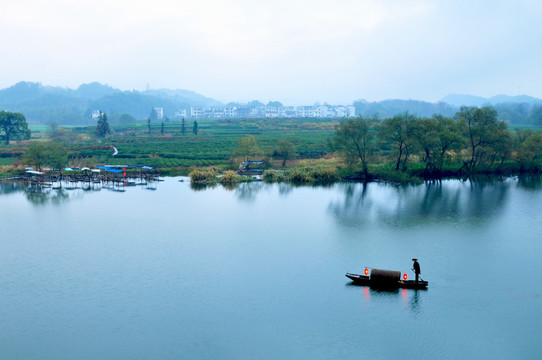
x: 297, y: 52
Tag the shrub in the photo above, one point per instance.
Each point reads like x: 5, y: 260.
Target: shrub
x: 230, y: 177
x: 273, y: 176
x: 314, y: 174
x: 203, y: 176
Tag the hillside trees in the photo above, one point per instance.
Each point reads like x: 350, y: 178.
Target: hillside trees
x: 13, y: 125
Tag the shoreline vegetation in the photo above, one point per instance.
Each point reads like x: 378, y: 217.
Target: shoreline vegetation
x: 403, y: 149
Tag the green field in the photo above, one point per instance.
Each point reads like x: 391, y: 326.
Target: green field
x: 214, y: 144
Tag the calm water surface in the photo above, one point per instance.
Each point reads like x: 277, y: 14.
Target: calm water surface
x: 257, y: 272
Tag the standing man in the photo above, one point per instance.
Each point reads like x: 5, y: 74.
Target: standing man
x: 416, y: 268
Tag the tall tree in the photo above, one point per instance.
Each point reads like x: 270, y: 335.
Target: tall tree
x: 437, y: 137
x: 195, y: 128
x: 149, y: 125
x: 530, y: 154
x: 13, y: 125
x: 40, y: 154
x: 354, y: 139
x: 483, y: 132
x: 35, y: 155
x: 102, y: 127
x: 286, y: 150
x: 183, y: 127
x: 398, y: 132
x: 162, y: 128
x: 247, y: 146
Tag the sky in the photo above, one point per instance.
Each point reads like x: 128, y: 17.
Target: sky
x: 295, y: 51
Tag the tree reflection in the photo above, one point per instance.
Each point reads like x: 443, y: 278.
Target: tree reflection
x: 201, y: 187
x: 530, y: 182
x: 45, y: 195
x: 438, y: 201
x: 248, y: 191
x: 10, y: 187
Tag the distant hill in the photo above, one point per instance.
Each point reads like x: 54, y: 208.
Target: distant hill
x: 137, y: 104
x: 471, y: 100
x: 186, y: 96
x: 464, y: 100
x: 519, y: 109
x: 45, y: 104
x: 94, y: 91
x: 388, y: 108
x: 523, y: 109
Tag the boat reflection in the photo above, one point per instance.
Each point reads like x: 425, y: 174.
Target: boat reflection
x: 409, y: 298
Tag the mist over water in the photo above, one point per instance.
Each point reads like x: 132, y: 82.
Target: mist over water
x: 257, y: 271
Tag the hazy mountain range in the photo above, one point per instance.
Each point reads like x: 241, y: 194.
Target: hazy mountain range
x: 46, y: 104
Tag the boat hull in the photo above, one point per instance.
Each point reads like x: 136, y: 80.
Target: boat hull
x: 405, y: 284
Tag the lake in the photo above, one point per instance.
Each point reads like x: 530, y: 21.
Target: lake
x: 257, y: 272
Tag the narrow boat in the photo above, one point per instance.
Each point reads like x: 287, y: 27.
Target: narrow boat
x: 386, y: 279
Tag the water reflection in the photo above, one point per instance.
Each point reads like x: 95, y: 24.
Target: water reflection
x: 530, y: 182
x: 201, y: 187
x: 40, y: 195
x: 248, y: 191
x: 410, y: 298
x: 438, y: 201
x: 10, y: 187
x: 59, y: 192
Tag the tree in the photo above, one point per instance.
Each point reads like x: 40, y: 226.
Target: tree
x: 354, y: 139
x: 502, y: 145
x: 398, y: 132
x: 149, y: 125
x: 195, y: 128
x: 126, y: 119
x: 484, y: 133
x: 530, y: 154
x: 13, y: 125
x: 183, y: 127
x: 162, y: 129
x: 153, y: 116
x: 102, y: 128
x: 285, y: 149
x: 247, y: 146
x: 35, y: 155
x: 61, y: 135
x: 57, y: 158
x: 437, y: 137
x: 40, y: 154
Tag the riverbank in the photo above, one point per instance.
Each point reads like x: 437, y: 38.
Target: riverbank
x: 321, y: 171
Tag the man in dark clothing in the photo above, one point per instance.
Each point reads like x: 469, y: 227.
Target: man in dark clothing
x: 416, y: 268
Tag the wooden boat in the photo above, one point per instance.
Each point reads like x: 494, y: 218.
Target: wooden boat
x: 386, y: 279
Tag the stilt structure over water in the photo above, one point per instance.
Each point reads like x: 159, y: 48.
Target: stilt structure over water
x: 108, y: 176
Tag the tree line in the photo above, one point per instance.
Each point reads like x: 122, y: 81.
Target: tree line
x: 472, y: 141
